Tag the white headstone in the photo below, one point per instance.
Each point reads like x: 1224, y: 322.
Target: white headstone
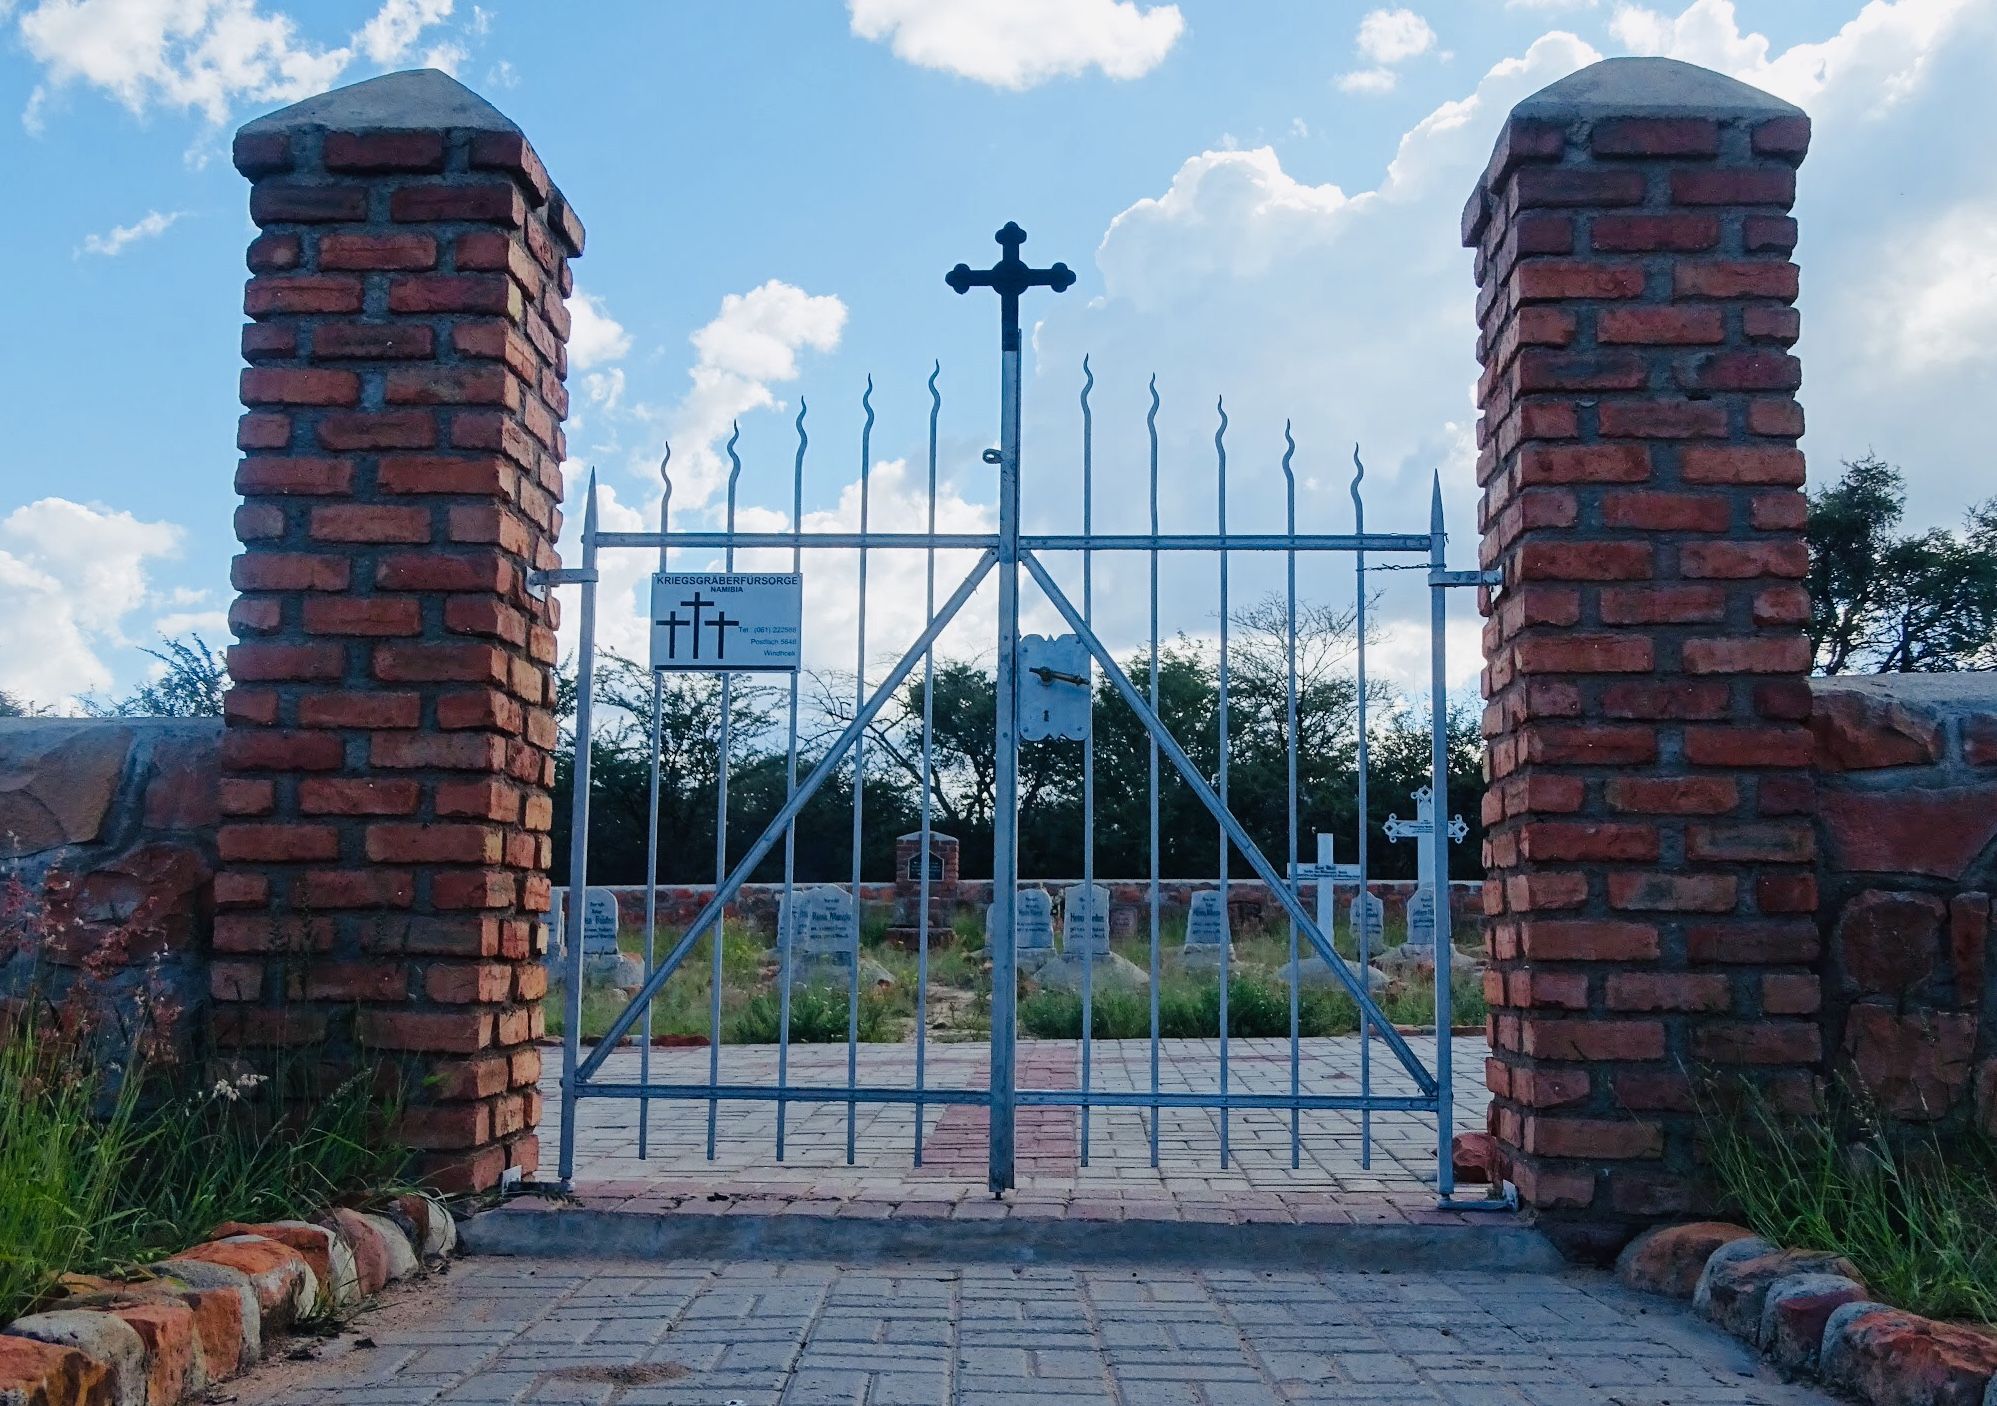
x: 1368, y: 917
x: 599, y: 922
x: 821, y: 924
x: 1421, y: 917
x: 1085, y: 920
x: 1032, y: 921
x: 1206, y: 922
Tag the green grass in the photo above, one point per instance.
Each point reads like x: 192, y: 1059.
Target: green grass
x: 96, y: 1179
x: 1913, y: 1215
x: 819, y: 1015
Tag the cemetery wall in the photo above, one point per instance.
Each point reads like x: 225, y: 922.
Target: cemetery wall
x: 1907, y: 837
x: 107, y: 871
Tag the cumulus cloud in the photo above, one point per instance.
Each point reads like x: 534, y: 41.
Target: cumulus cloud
x: 1368, y: 80
x: 200, y: 56
x: 73, y: 574
x: 751, y: 345
x: 114, y: 242
x: 397, y: 25
x: 595, y: 337
x: 1018, y: 44
x: 1875, y: 60
x: 1936, y: 308
x: 1394, y: 36
x: 1386, y: 38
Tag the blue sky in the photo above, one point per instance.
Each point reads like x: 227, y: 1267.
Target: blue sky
x: 1260, y: 200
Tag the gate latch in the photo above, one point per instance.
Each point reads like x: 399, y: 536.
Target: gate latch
x: 1054, y: 687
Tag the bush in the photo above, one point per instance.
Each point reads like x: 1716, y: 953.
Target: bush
x: 1913, y: 1215
x: 818, y: 1016
x: 1188, y: 1008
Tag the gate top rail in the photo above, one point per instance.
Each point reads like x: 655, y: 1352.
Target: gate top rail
x: 1029, y: 541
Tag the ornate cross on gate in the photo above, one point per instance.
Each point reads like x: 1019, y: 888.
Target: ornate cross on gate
x: 1421, y: 906
x: 1010, y: 277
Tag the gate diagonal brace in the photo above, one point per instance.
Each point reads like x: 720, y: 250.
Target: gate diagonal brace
x: 765, y: 842
x: 1167, y: 744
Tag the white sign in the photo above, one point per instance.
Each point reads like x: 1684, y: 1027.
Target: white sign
x: 599, y: 921
x: 727, y: 621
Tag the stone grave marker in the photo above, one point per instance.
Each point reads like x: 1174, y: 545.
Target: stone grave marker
x: 1206, y: 922
x: 1368, y: 918
x: 1085, y: 920
x: 1032, y: 926
x: 820, y: 922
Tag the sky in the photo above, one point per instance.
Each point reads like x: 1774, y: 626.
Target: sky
x: 1260, y: 202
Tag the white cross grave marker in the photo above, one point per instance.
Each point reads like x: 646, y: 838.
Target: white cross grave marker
x: 1421, y: 907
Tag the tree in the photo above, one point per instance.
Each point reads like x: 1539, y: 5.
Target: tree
x: 1883, y: 602
x: 190, y: 685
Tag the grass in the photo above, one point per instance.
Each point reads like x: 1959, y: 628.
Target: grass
x: 1913, y: 1215
x: 98, y: 1177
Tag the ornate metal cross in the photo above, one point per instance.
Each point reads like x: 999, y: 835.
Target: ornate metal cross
x: 1010, y: 277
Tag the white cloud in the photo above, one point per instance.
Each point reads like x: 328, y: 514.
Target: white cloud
x: 1874, y: 61
x: 72, y: 574
x: 200, y: 56
x: 1551, y: 4
x: 114, y: 243
x: 396, y: 27
x: 1368, y: 80
x: 1017, y: 44
x: 753, y: 342
x: 1935, y: 306
x: 595, y: 337
x: 1394, y: 36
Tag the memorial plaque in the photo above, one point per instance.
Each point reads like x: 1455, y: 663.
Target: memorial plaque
x: 1206, y: 923
x: 1085, y: 920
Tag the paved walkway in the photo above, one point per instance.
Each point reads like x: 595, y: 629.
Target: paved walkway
x: 755, y: 1333
x: 1333, y: 1177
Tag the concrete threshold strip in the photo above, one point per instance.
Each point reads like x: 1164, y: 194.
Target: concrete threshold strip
x: 582, y: 1233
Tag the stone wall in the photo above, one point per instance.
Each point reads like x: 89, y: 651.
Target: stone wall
x: 107, y: 870
x: 1907, y: 830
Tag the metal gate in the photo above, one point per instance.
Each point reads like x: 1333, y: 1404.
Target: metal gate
x: 1005, y: 553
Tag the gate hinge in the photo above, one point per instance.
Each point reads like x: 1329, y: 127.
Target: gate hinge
x: 539, y: 581
x: 1491, y: 576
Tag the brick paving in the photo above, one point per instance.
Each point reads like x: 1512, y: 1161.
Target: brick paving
x: 757, y: 1333
x: 1331, y: 1181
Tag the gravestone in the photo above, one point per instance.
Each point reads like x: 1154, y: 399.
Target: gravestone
x: 1207, y: 930
x: 1367, y: 918
x: 1085, y: 920
x: 818, y: 921
x: 1032, y: 927
x: 1421, y: 917
x: 603, y: 962
x: 1085, y: 956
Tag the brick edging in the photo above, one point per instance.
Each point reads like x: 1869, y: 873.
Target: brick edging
x: 212, y: 1311
x: 1810, y: 1313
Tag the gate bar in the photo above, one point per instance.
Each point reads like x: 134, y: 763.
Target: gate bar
x: 778, y: 823
x: 1242, y: 841
x: 578, y: 894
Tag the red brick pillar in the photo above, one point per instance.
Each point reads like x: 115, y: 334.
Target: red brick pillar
x: 1650, y: 891
x: 387, y: 756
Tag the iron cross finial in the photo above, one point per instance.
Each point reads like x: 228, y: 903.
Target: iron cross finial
x: 1010, y: 277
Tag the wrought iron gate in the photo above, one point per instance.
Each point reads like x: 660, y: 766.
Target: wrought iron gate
x: 1005, y: 553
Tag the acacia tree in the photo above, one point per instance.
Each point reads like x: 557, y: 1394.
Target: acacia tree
x: 1884, y: 602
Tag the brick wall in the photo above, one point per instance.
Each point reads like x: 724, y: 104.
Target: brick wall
x: 387, y: 761
x: 1907, y: 825
x: 1651, y: 885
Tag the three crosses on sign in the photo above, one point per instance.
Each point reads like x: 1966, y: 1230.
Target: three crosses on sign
x: 721, y: 624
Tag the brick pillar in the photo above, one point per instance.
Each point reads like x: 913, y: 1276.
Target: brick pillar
x: 1650, y: 891
x: 387, y: 756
